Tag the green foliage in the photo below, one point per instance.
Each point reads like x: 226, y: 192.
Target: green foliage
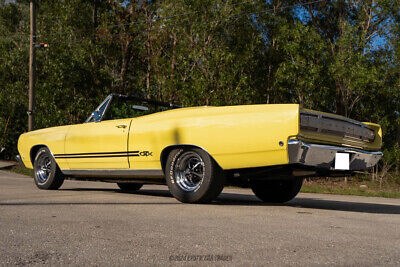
x: 221, y: 52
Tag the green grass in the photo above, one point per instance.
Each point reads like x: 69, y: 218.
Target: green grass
x: 338, y: 186
x: 20, y: 170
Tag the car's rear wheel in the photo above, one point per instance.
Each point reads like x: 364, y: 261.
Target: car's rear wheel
x: 129, y: 186
x: 276, y: 191
x: 193, y: 176
x: 47, y: 174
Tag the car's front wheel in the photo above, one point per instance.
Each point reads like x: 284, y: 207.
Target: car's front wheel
x: 193, y: 176
x: 276, y: 191
x: 46, y: 173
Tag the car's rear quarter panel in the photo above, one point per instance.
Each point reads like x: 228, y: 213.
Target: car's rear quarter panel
x: 235, y: 136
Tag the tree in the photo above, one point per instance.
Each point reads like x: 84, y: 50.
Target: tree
x: 322, y: 55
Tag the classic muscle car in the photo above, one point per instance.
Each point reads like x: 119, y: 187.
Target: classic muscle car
x: 133, y: 141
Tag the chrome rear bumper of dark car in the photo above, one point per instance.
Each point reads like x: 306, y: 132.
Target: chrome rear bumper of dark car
x: 323, y: 156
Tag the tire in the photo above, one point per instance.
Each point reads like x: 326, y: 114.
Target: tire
x: 276, y: 191
x: 47, y: 174
x: 193, y: 176
x: 129, y: 186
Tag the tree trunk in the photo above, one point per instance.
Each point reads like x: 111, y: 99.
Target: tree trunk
x: 94, y: 14
x: 148, y: 44
x: 340, y: 87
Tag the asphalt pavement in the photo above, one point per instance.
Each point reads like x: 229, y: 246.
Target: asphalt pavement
x: 6, y: 164
x: 95, y: 223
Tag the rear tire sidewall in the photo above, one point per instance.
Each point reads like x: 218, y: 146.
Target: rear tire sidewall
x: 55, y: 178
x: 210, y: 186
x: 269, y: 191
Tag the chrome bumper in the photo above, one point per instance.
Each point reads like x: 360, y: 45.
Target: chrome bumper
x: 323, y: 156
x: 19, y: 160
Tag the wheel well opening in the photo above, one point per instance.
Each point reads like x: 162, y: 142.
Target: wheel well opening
x: 34, y: 151
x: 164, y: 155
x: 167, y: 150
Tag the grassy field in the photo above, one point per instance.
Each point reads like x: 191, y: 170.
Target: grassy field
x: 360, y: 185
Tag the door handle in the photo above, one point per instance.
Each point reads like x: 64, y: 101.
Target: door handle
x: 121, y: 126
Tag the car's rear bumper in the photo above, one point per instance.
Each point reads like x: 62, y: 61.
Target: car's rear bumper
x: 323, y: 156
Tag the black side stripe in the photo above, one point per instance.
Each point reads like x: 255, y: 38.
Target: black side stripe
x: 97, y: 153
x: 104, y: 156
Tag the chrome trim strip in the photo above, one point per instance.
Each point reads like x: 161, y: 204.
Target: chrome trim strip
x: 343, y: 149
x: 293, y: 142
x: 344, y: 119
x: 105, y: 110
x: 151, y: 173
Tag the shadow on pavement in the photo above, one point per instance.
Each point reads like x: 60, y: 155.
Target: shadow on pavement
x: 311, y: 203
x: 232, y: 199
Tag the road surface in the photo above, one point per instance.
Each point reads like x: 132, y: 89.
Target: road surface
x: 95, y: 223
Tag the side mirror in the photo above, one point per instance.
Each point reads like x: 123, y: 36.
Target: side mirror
x: 143, y: 108
x: 96, y: 116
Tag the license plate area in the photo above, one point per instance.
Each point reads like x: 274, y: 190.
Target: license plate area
x: 342, y: 161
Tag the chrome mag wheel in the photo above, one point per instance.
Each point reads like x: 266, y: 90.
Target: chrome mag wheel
x: 43, y: 168
x: 189, y: 171
x: 193, y: 176
x: 48, y: 175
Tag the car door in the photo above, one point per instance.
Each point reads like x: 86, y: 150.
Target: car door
x: 98, y: 145
x: 146, y: 141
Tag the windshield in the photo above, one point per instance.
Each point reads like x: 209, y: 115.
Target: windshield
x: 122, y: 107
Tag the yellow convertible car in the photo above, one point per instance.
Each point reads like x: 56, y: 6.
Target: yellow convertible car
x: 196, y: 151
